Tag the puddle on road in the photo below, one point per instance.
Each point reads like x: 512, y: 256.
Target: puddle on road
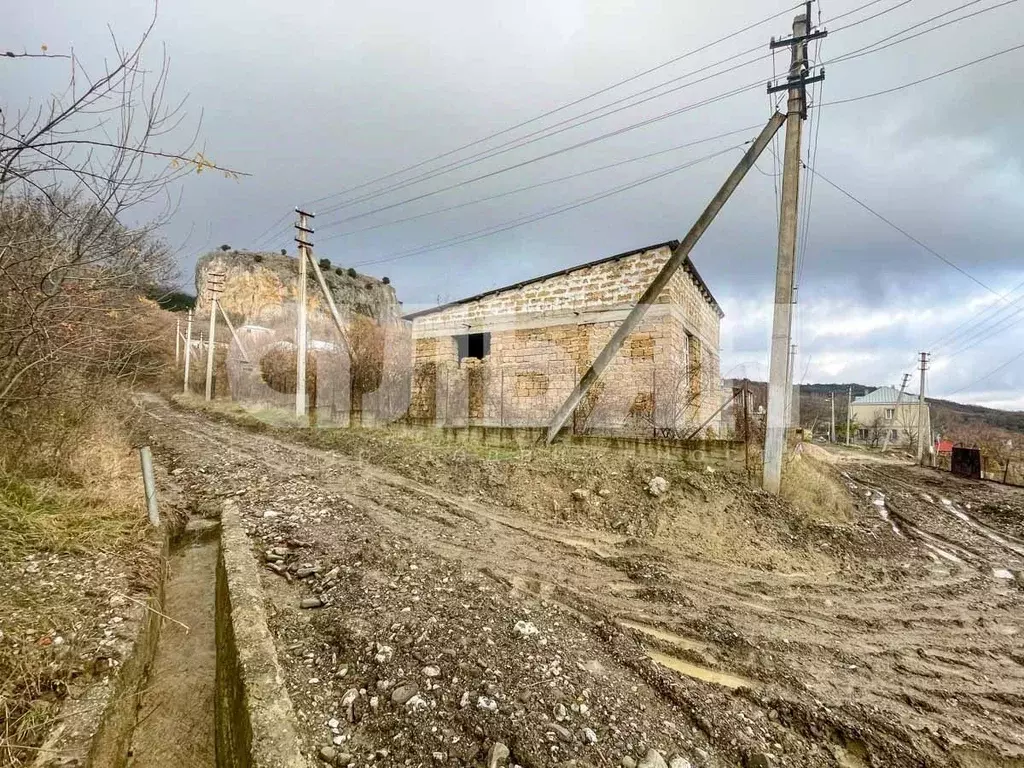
x: 853, y: 755
x: 702, y: 673
x: 672, y: 638
x: 883, y: 512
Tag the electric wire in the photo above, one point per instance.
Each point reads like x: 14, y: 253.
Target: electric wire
x: 570, y: 104
x: 537, y: 185
x: 949, y: 71
x: 902, y: 231
x: 553, y: 130
x: 531, y: 218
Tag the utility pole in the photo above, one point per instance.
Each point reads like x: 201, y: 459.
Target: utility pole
x: 922, y: 410
x: 849, y: 411
x: 177, y: 342
x: 782, y: 321
x: 832, y: 423
x: 792, y: 418
x: 305, y: 252
x: 188, y: 349
x: 214, y: 284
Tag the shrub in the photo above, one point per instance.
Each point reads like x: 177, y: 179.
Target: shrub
x: 257, y: 257
x: 225, y: 247
x: 352, y: 272
x: 325, y: 263
x: 339, y: 271
x: 386, y: 280
x: 284, y: 251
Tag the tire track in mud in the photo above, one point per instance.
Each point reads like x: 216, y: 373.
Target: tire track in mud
x: 949, y: 545
x: 850, y: 642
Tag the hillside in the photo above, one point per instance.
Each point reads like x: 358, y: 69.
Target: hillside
x: 263, y: 286
x: 958, y: 421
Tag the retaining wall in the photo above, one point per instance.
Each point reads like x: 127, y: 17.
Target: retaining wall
x: 707, y: 452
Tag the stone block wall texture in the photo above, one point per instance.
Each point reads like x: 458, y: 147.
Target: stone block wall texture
x: 544, y: 336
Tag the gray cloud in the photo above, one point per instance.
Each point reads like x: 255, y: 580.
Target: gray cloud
x: 316, y: 97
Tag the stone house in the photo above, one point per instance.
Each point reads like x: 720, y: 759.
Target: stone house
x: 511, y: 355
x: 884, y: 416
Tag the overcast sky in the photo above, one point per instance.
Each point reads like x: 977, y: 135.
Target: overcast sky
x: 314, y: 98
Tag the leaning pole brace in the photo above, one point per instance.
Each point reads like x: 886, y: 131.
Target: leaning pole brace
x: 679, y: 255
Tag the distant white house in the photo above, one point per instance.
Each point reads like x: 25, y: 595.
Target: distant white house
x: 885, y: 416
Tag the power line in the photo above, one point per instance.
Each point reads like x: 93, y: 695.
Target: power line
x: 899, y: 229
x: 565, y: 106
x: 924, y: 79
x: 530, y: 138
x: 266, y: 231
x: 434, y: 172
x: 975, y: 318
x: 1000, y: 325
x: 539, y: 184
x: 877, y: 46
x: 552, y: 130
x: 496, y: 229
x: 988, y: 375
x: 586, y: 142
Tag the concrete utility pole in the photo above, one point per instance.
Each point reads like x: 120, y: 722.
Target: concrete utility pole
x: 792, y: 417
x: 679, y: 255
x: 849, y: 410
x: 188, y: 349
x: 782, y: 322
x: 305, y: 252
x: 214, y: 284
x: 922, y: 410
x: 832, y: 422
x: 177, y: 341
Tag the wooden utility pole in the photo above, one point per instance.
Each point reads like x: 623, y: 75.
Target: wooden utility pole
x: 177, y: 342
x: 214, y: 284
x: 188, y: 349
x: 849, y: 413
x: 922, y: 411
x: 832, y: 422
x: 305, y: 253
x: 654, y: 290
x: 782, y: 321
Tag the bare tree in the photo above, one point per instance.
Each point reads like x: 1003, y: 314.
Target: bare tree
x: 72, y: 272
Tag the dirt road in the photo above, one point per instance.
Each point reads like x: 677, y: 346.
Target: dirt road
x: 726, y: 634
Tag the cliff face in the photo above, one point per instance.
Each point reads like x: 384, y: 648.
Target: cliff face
x: 263, y: 287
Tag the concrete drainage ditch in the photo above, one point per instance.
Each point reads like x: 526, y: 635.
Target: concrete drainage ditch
x: 202, y: 686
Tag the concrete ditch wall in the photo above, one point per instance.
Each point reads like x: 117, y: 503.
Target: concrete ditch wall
x: 256, y: 726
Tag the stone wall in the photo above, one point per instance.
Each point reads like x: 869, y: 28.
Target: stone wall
x: 545, y: 334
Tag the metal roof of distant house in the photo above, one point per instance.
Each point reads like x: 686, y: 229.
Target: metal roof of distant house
x: 671, y: 244
x: 885, y: 396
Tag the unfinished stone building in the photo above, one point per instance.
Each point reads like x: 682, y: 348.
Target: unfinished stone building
x: 510, y: 356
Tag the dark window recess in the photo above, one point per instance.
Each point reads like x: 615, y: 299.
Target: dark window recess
x: 476, y: 345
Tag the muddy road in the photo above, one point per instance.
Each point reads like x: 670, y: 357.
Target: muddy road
x: 450, y: 623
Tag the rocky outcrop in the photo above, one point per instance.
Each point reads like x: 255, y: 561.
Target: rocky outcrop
x: 262, y: 287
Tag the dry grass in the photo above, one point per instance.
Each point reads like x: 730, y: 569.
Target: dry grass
x: 814, y: 490
x: 94, y: 503
x: 81, y: 524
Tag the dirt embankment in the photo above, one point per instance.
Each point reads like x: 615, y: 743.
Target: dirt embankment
x: 472, y: 602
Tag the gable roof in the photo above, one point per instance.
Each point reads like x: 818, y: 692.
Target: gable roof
x: 671, y: 244
x: 885, y: 396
